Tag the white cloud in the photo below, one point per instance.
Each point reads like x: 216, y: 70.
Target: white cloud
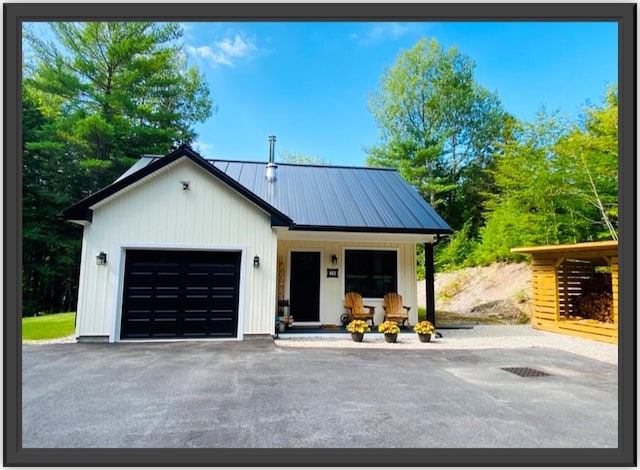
x: 226, y: 51
x: 381, y: 32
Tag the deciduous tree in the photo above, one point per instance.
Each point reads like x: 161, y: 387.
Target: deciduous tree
x: 436, y: 124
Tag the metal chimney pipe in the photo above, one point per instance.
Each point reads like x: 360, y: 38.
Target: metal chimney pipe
x: 272, y: 144
x: 271, y: 166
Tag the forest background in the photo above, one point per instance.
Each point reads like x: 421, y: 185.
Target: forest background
x: 101, y: 94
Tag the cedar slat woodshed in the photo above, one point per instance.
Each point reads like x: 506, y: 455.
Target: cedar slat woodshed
x: 561, y: 274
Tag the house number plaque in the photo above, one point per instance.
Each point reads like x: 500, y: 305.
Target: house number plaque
x: 332, y: 272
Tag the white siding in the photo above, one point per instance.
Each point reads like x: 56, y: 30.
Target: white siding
x: 159, y: 214
x: 332, y: 289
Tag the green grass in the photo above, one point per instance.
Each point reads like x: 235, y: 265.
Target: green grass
x: 451, y: 318
x: 56, y: 325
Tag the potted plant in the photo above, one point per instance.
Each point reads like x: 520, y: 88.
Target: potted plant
x: 390, y: 330
x: 358, y: 328
x: 424, y: 329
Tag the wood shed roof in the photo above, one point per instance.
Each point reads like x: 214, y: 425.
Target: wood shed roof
x: 583, y: 248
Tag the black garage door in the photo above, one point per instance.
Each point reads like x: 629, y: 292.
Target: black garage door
x: 180, y: 294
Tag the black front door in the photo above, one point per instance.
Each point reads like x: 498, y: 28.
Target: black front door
x: 304, y: 289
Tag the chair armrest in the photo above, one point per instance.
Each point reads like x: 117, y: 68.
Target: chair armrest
x: 406, y: 308
x: 372, y: 309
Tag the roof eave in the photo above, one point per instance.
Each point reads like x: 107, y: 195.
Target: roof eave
x: 404, y: 230
x: 82, y: 209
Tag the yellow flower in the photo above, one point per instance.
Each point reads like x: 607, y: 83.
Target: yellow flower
x: 389, y: 327
x: 358, y: 326
x: 424, y: 328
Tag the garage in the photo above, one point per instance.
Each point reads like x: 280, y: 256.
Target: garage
x: 180, y: 294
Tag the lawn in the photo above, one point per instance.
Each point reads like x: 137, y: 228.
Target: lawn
x: 452, y: 318
x: 56, y: 325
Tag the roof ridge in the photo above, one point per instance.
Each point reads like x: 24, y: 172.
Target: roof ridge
x: 303, y: 165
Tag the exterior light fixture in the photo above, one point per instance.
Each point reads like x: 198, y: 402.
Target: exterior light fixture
x: 334, y: 260
x: 101, y: 259
x: 256, y: 261
x: 185, y: 185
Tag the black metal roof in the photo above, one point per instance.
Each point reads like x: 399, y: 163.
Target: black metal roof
x: 308, y: 197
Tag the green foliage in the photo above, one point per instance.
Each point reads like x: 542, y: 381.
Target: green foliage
x: 94, y: 100
x: 508, y: 226
x: 455, y: 253
x: 555, y: 183
x: 52, y: 326
x: 118, y: 90
x: 50, y: 248
x: 591, y: 152
x: 296, y: 157
x: 438, y: 128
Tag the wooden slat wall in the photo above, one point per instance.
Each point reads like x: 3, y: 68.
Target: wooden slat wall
x: 571, y: 273
x: 604, y: 332
x: 545, y: 293
x: 614, y: 288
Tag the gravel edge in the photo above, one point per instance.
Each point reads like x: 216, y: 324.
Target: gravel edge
x: 478, y: 337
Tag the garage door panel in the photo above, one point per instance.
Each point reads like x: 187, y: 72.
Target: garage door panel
x: 181, y: 294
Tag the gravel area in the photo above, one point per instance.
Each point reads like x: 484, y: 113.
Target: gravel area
x: 67, y: 339
x: 478, y: 337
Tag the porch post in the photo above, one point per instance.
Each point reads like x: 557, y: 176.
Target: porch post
x: 428, y: 280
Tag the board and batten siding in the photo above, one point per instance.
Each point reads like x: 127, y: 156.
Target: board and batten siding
x: 208, y: 216
x: 332, y: 289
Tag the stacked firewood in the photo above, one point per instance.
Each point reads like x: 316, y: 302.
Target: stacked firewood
x: 596, y: 300
x: 595, y: 306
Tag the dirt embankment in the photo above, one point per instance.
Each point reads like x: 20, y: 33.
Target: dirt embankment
x: 499, y: 293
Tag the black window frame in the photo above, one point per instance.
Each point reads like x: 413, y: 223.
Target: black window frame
x: 371, y: 273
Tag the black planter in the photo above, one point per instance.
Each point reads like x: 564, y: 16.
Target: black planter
x: 390, y: 337
x: 424, y: 338
x: 357, y: 337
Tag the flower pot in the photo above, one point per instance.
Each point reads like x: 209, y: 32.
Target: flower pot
x: 424, y: 338
x: 390, y: 337
x: 357, y: 337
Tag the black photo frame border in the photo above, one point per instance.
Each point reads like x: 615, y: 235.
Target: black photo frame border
x: 622, y: 13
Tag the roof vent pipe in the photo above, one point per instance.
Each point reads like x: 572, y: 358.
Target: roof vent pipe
x: 271, y: 166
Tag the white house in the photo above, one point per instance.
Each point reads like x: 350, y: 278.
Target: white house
x: 183, y: 247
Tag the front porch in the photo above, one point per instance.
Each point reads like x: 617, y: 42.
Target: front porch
x: 316, y: 270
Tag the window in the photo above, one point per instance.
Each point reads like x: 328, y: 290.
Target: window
x: 371, y: 273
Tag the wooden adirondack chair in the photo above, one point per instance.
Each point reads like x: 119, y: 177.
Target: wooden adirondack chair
x: 356, y: 309
x: 394, y: 310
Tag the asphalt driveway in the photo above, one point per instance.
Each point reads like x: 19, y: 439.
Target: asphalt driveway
x: 255, y: 394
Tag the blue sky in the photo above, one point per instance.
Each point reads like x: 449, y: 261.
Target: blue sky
x: 308, y: 83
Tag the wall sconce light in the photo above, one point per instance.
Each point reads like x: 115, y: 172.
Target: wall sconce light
x: 256, y: 261
x: 185, y: 185
x: 101, y: 259
x: 334, y: 260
